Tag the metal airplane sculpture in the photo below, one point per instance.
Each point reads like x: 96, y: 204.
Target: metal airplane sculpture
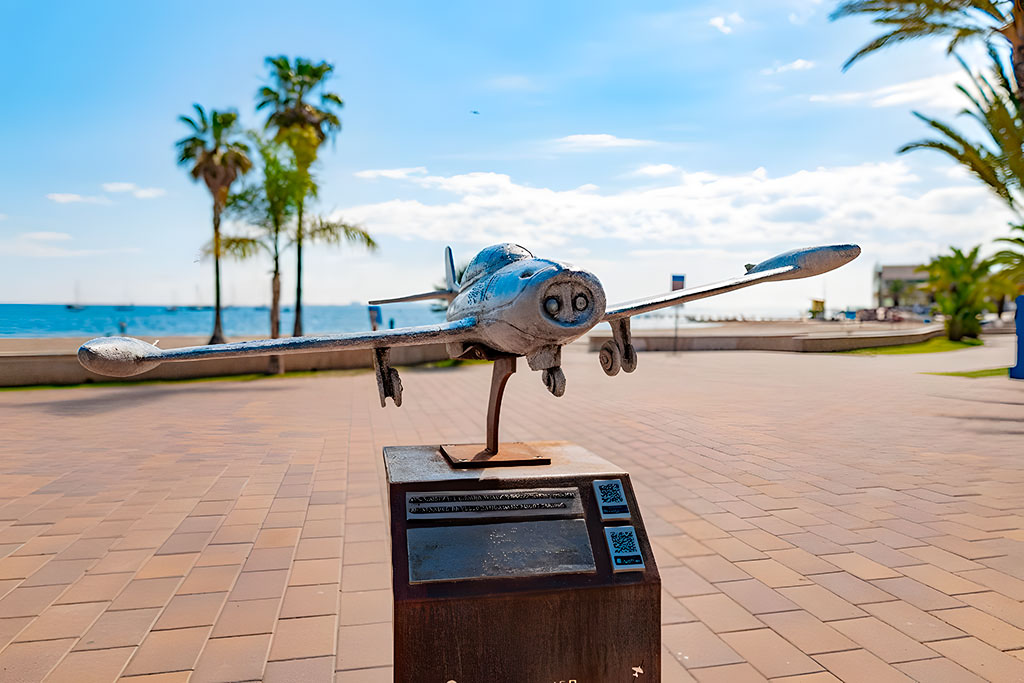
x: 508, y: 304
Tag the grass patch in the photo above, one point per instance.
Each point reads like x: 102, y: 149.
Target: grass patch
x: 991, y: 372
x: 451, y: 363
x: 936, y: 345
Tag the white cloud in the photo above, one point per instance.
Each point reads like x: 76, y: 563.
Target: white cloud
x: 71, y: 198
x: 513, y: 82
x: 599, y: 141
x: 135, y: 190
x: 727, y: 23
x: 390, y: 173
x: 875, y: 203
x: 935, y: 91
x: 45, y: 236
x: 656, y: 170
x: 795, y: 65
x: 44, y: 245
x: 805, y: 10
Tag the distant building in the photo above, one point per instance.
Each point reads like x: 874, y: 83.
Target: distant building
x: 900, y: 286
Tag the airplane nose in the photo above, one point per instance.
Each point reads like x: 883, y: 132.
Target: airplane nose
x: 572, y: 298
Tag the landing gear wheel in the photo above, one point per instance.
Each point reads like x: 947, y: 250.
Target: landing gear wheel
x: 611, y: 359
x: 629, y: 359
x: 396, y: 386
x: 554, y: 380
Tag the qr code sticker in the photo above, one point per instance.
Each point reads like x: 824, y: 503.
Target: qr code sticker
x: 624, y: 542
x: 610, y: 492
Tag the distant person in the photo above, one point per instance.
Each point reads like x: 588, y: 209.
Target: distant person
x: 123, y: 326
x: 391, y: 323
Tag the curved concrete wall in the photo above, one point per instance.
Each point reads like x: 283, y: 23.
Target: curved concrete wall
x: 24, y: 369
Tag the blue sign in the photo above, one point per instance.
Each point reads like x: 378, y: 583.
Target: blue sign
x: 1017, y: 372
x: 678, y: 282
x: 376, y: 316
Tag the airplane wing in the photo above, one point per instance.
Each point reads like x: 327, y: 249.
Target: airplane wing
x: 791, y: 265
x: 125, y: 356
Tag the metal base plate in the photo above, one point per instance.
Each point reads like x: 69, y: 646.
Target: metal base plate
x: 472, y: 455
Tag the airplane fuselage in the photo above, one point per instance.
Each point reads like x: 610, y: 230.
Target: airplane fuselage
x: 524, y: 306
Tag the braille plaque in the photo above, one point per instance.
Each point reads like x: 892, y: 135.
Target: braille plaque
x: 430, y: 505
x: 611, y: 499
x: 624, y: 549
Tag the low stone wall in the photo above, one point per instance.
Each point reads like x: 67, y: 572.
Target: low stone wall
x: 800, y: 343
x: 25, y: 369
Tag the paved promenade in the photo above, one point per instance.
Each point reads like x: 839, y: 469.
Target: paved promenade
x: 815, y: 517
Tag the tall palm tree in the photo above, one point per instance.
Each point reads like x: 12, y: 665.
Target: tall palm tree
x: 218, y: 158
x: 269, y: 205
x: 956, y: 20
x: 303, y: 125
x: 958, y: 282
x: 1012, y: 260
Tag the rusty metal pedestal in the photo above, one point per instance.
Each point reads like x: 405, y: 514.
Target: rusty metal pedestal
x: 520, y: 574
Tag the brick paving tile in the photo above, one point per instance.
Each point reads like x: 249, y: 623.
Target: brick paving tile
x: 980, y: 658
x: 997, y: 581
x: 734, y: 550
x: 256, y: 585
x: 30, y: 662
x: 91, y: 666
x: 21, y: 567
x: 860, y: 666
x: 62, y: 621
x: 943, y: 559
x: 823, y: 604
x: 9, y: 628
x: 307, y: 572
x: 118, y: 629
x: 364, y: 577
x: 121, y: 561
x: 364, y: 647
x: 309, y: 601
x: 918, y: 624
x: 184, y: 611
x: 862, y: 567
x: 801, y: 561
x: 672, y: 610
x: 770, y: 653
x: 756, y: 597
x: 28, y: 602
x: 304, y: 637
x: 1000, y: 606
x: 172, y: 677
x: 730, y: 673
x: 882, y: 640
x: 327, y: 548
x: 209, y: 579
x: 277, y: 538
x: 168, y: 651
x: 719, y: 612
x: 315, y: 669
x: 370, y: 607
x: 695, y: 646
x: 163, y: 566
x: 917, y: 594
x: 263, y: 559
x: 386, y: 675
x: 940, y: 669
x: 715, y: 568
x: 986, y: 627
x: 773, y: 574
x: 247, y: 617
x: 679, y: 582
x: 819, y: 677
x: 942, y: 580
x: 850, y: 588
x: 141, y: 593
x: 238, y: 658
x: 808, y: 633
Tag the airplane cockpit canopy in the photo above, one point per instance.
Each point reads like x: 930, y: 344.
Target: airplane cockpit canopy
x: 491, y: 259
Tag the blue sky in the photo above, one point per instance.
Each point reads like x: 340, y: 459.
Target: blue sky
x: 634, y: 139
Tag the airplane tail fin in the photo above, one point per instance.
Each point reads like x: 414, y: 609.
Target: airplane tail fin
x: 447, y: 294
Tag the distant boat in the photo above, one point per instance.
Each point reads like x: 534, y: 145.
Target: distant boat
x: 171, y: 309
x: 74, y: 307
x: 78, y: 297
x: 129, y: 307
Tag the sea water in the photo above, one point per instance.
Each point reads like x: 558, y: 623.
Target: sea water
x: 46, y: 320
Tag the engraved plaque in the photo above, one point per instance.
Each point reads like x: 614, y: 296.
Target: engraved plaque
x: 611, y: 499
x: 517, y: 503
x: 624, y: 549
x: 506, y: 550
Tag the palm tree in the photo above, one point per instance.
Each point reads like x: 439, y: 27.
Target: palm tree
x: 303, y: 126
x: 218, y: 157
x: 326, y: 231
x: 957, y: 280
x: 268, y: 205
x: 1012, y: 260
x: 956, y: 20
